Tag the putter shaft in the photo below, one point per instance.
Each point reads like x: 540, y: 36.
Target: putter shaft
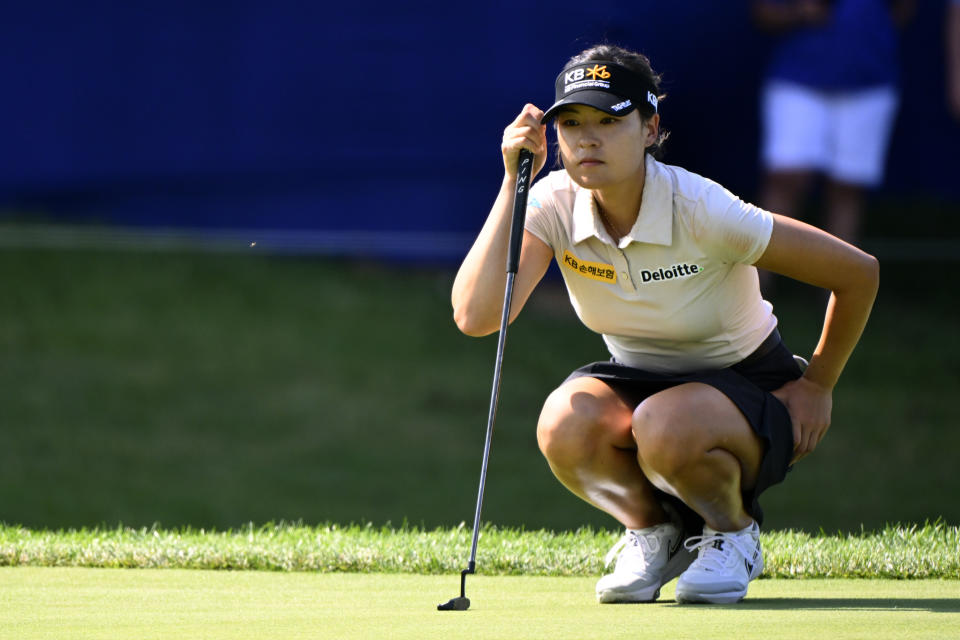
x: 525, y: 169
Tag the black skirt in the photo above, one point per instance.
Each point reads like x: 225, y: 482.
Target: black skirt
x: 748, y: 385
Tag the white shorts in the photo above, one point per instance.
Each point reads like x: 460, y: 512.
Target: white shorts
x: 842, y: 134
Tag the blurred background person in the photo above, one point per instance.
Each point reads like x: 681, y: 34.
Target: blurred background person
x: 829, y: 102
x: 953, y: 57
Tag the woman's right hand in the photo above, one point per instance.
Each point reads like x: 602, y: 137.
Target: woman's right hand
x: 525, y: 132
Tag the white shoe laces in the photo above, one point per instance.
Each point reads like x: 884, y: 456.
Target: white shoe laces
x: 648, y: 544
x: 714, y: 550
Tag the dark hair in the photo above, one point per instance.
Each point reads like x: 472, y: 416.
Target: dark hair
x: 639, y: 64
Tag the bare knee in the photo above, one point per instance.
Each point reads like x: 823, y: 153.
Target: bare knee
x: 574, y: 423
x: 678, y: 429
x: 563, y: 428
x: 664, y: 445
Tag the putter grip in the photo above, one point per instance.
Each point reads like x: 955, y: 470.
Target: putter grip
x: 524, y: 170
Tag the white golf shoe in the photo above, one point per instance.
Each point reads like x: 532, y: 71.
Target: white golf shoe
x: 646, y: 560
x: 725, y: 565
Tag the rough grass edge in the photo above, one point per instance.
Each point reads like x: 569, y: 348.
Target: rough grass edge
x: 931, y: 550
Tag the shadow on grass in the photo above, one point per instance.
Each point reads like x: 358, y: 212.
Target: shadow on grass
x: 932, y: 605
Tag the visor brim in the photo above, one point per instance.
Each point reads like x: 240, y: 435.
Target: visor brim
x: 602, y: 100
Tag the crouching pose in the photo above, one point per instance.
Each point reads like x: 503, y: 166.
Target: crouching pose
x: 700, y: 407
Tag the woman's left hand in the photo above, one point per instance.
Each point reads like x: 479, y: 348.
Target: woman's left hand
x: 809, y: 405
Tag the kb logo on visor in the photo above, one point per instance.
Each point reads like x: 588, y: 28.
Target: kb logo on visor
x: 596, y: 72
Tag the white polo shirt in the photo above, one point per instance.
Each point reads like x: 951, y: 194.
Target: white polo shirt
x: 678, y: 293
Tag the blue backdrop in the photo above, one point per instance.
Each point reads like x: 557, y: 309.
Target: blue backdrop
x: 370, y: 117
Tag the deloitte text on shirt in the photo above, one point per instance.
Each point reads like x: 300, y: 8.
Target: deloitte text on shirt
x: 677, y: 271
x: 675, y: 294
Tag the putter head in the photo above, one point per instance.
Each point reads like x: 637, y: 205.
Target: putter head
x: 460, y: 603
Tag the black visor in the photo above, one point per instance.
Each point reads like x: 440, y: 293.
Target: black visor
x: 603, y: 85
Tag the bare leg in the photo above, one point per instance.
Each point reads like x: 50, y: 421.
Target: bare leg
x: 695, y: 444
x: 585, y: 434
x: 783, y: 192
x: 844, y: 210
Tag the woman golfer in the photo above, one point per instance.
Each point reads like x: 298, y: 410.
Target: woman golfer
x: 700, y: 407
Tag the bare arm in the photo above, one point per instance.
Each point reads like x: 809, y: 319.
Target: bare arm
x: 953, y: 58
x: 478, y: 289
x: 902, y: 12
x: 777, y: 17
x: 805, y: 253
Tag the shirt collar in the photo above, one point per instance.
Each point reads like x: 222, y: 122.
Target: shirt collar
x: 654, y: 225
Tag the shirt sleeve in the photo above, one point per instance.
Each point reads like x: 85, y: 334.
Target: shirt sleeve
x: 731, y: 229
x: 541, y: 218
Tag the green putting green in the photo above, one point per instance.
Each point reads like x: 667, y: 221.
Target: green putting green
x: 143, y: 604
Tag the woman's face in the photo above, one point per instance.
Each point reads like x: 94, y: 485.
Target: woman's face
x: 600, y: 150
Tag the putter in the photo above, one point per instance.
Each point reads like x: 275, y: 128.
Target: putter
x: 462, y: 602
